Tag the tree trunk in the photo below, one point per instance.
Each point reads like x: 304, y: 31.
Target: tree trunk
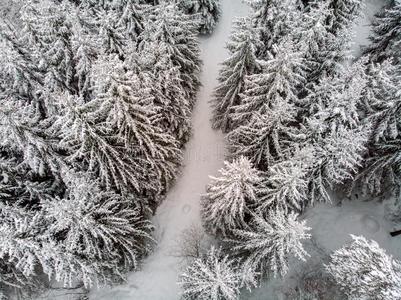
x: 395, y: 233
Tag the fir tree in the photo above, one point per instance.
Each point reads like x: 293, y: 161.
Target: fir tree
x: 174, y: 32
x: 285, y: 185
x: 385, y: 38
x: 363, y: 270
x: 274, y: 19
x: 130, y: 111
x: 381, y: 102
x: 241, y: 63
x: 98, y: 224
x: 206, y: 11
x: 266, y: 138
x: 345, y: 12
x: 281, y: 75
x: 267, y: 244
x: 229, y: 198
x: 322, y: 50
x: 266, y: 115
x: 211, y: 277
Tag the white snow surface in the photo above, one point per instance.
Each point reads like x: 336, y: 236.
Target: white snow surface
x: 204, y: 156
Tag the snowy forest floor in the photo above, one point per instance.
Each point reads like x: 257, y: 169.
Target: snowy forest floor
x: 331, y: 224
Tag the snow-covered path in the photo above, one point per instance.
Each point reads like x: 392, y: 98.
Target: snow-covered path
x: 203, y: 157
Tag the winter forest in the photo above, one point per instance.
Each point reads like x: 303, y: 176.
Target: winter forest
x: 113, y: 114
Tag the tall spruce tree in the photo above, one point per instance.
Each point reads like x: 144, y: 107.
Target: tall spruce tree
x: 274, y: 19
x: 207, y: 13
x: 386, y: 34
x: 230, y: 197
x: 364, y: 270
x: 268, y: 242
x: 241, y: 63
x: 344, y: 13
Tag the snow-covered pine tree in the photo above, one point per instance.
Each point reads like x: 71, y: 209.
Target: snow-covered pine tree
x: 99, y: 225
x: 268, y: 242
x: 274, y: 19
x: 337, y: 123
x: 265, y: 118
x: 128, y: 105
x: 343, y: 108
x: 382, y: 107
x: 266, y: 138
x: 19, y: 74
x: 164, y: 82
x: 206, y: 12
x: 23, y: 132
x: 241, y: 63
x: 285, y: 184
x: 48, y: 22
x: 111, y: 32
x: 342, y: 154
x: 381, y: 99
x: 279, y: 80
x: 318, y: 95
x: 67, y: 115
x: 212, y: 277
x: 386, y: 34
x: 321, y: 48
x: 26, y: 247
x: 86, y: 51
x: 363, y: 270
x: 344, y: 14
x: 131, y: 17
x: 229, y: 197
x: 175, y: 32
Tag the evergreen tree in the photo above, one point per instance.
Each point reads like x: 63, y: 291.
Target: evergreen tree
x: 381, y: 102
x: 90, y: 135
x: 267, y: 111
x: 172, y: 31
x: 322, y: 50
x: 111, y: 32
x: 382, y: 107
x: 363, y: 270
x: 274, y: 19
x: 132, y: 17
x: 266, y: 138
x: 92, y: 145
x: 281, y: 75
x: 131, y: 113
x: 98, y: 225
x: 241, y: 63
x: 386, y: 33
x: 285, y: 185
x: 211, y: 277
x: 266, y: 245
x: 229, y: 198
x: 163, y: 81
x: 337, y: 123
x: 206, y: 11
x: 345, y: 13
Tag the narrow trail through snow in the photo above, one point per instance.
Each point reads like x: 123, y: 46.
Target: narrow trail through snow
x: 204, y: 155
